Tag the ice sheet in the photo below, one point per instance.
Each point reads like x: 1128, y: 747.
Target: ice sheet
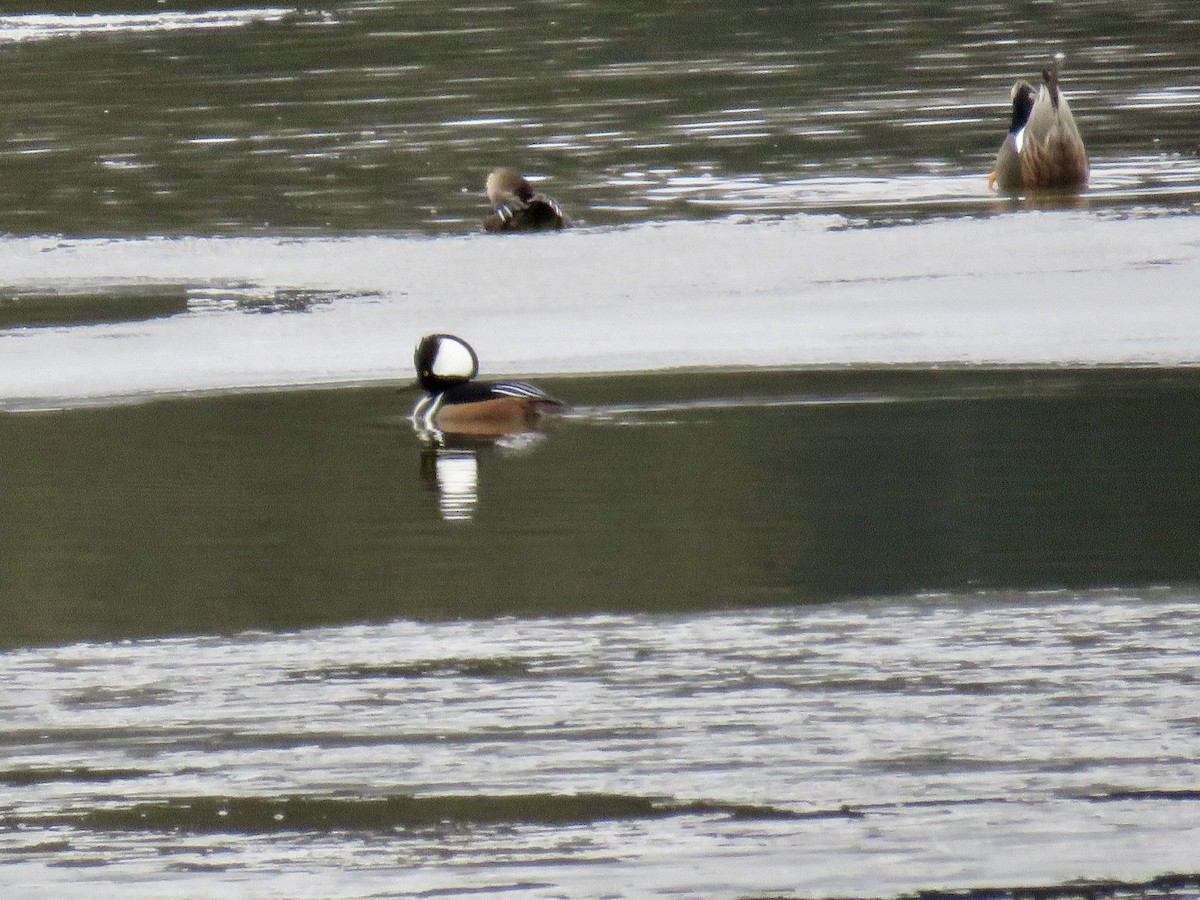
x: 1028, y: 288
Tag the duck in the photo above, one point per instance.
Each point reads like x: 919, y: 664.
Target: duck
x: 1043, y: 149
x: 517, y: 207
x: 456, y: 404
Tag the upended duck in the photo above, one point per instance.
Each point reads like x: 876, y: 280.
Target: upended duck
x: 455, y: 404
x: 1043, y: 149
x: 517, y: 207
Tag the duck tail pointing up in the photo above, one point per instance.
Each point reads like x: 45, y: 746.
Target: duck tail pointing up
x: 1050, y: 76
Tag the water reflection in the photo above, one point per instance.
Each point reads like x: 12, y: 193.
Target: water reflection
x: 45, y: 26
x: 453, y: 472
x: 450, y: 464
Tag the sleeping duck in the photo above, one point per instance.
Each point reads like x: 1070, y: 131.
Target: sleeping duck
x: 517, y: 207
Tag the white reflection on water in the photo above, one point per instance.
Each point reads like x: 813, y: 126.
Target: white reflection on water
x: 41, y: 26
x: 931, y: 183
x: 1021, y: 738
x: 457, y: 473
x: 1168, y: 98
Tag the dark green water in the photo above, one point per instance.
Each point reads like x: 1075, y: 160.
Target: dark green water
x: 664, y: 493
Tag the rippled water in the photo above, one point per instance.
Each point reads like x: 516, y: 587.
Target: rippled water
x: 382, y: 115
x: 954, y: 741
x: 913, y: 609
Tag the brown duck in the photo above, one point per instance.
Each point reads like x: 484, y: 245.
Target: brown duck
x: 517, y: 207
x: 1043, y: 149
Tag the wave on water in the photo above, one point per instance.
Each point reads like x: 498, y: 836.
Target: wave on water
x: 673, y: 412
x: 769, y: 752
x: 264, y: 814
x: 936, y: 188
x: 1164, y: 887
x: 43, y: 26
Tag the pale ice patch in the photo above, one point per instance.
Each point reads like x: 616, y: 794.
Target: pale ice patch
x: 1061, y: 288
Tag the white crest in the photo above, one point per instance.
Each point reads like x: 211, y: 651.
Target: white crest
x: 453, y: 359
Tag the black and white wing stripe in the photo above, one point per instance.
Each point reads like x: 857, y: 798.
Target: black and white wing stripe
x: 520, y: 389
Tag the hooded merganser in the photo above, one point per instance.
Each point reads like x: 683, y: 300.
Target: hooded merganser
x: 516, y: 207
x: 455, y: 404
x: 1043, y: 149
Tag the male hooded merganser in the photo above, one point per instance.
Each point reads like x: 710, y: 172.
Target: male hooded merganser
x: 1043, y: 149
x: 516, y: 207
x: 455, y: 404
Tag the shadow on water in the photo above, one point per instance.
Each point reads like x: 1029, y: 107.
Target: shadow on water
x: 34, y: 308
x: 390, y: 815
x: 684, y: 492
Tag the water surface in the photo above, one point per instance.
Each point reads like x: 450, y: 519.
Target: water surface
x: 986, y: 740
x: 659, y: 493
x: 823, y: 633
x: 883, y: 581
x: 368, y: 116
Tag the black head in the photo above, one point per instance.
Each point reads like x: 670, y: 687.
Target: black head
x: 1023, y: 97
x: 443, y: 361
